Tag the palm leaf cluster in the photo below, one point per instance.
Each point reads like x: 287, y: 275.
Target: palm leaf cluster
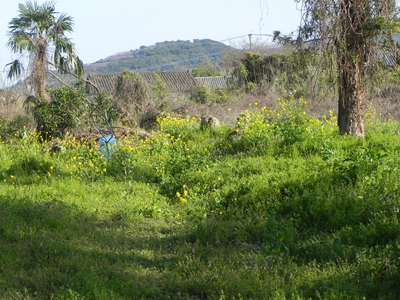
x: 41, y: 32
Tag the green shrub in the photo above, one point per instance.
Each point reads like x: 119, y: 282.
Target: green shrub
x: 66, y: 110
x: 10, y: 127
x: 160, y: 89
x: 299, y: 70
x: 206, y: 69
x: 205, y: 95
x: 101, y: 107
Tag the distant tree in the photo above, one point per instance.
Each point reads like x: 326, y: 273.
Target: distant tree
x: 160, y: 89
x: 206, y: 69
x: 132, y: 91
x: 40, y: 31
x: 287, y: 71
x: 353, y: 29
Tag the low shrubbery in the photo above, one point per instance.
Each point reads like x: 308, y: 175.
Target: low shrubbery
x: 10, y: 127
x: 279, y: 206
x: 68, y: 110
x: 207, y: 95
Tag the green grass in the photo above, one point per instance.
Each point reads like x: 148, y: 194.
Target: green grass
x: 279, y: 207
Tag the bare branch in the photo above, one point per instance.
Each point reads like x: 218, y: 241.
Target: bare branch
x: 58, y: 78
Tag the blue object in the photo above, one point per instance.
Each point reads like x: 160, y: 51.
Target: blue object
x: 108, y: 145
x: 109, y: 141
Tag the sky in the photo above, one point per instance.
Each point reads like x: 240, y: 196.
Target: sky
x: 103, y: 28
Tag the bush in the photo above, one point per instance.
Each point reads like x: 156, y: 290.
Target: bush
x: 102, y: 107
x: 160, y: 89
x: 132, y: 91
x: 8, y: 127
x: 300, y: 70
x: 205, y: 95
x: 66, y: 110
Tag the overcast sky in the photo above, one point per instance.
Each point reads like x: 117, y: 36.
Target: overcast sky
x: 103, y: 28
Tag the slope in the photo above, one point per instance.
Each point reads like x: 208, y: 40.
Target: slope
x: 168, y: 55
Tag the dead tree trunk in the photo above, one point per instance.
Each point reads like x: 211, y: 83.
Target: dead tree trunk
x: 350, y: 61
x: 351, y: 98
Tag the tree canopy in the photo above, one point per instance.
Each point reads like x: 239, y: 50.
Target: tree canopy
x: 40, y: 32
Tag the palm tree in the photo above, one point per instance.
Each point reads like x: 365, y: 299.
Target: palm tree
x: 40, y: 31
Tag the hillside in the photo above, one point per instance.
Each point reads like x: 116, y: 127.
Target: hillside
x: 168, y: 55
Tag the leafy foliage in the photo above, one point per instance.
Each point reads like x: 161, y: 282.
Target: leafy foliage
x: 101, y: 107
x: 206, y: 69
x: 206, y: 95
x: 66, y: 110
x: 299, y: 70
x: 160, y: 89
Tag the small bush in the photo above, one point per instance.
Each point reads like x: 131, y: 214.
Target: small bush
x: 10, y: 127
x: 101, y: 107
x: 206, y: 95
x: 133, y: 92
x: 160, y: 89
x: 66, y: 110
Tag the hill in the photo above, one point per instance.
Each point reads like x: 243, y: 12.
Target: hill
x: 168, y: 55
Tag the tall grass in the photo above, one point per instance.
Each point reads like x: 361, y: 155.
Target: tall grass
x: 279, y: 206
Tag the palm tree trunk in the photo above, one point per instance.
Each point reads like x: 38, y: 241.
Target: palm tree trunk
x: 39, y: 70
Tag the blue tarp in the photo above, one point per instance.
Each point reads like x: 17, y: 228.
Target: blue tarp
x: 108, y: 145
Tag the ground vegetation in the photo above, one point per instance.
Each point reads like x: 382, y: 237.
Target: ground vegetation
x: 276, y: 206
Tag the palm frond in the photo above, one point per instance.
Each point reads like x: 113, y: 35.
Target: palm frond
x: 30, y: 103
x: 20, y: 41
x: 15, y: 69
x: 63, y: 24
x: 78, y: 67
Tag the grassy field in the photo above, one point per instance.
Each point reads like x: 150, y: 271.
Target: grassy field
x: 277, y: 207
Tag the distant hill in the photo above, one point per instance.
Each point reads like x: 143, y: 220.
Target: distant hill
x: 165, y: 56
